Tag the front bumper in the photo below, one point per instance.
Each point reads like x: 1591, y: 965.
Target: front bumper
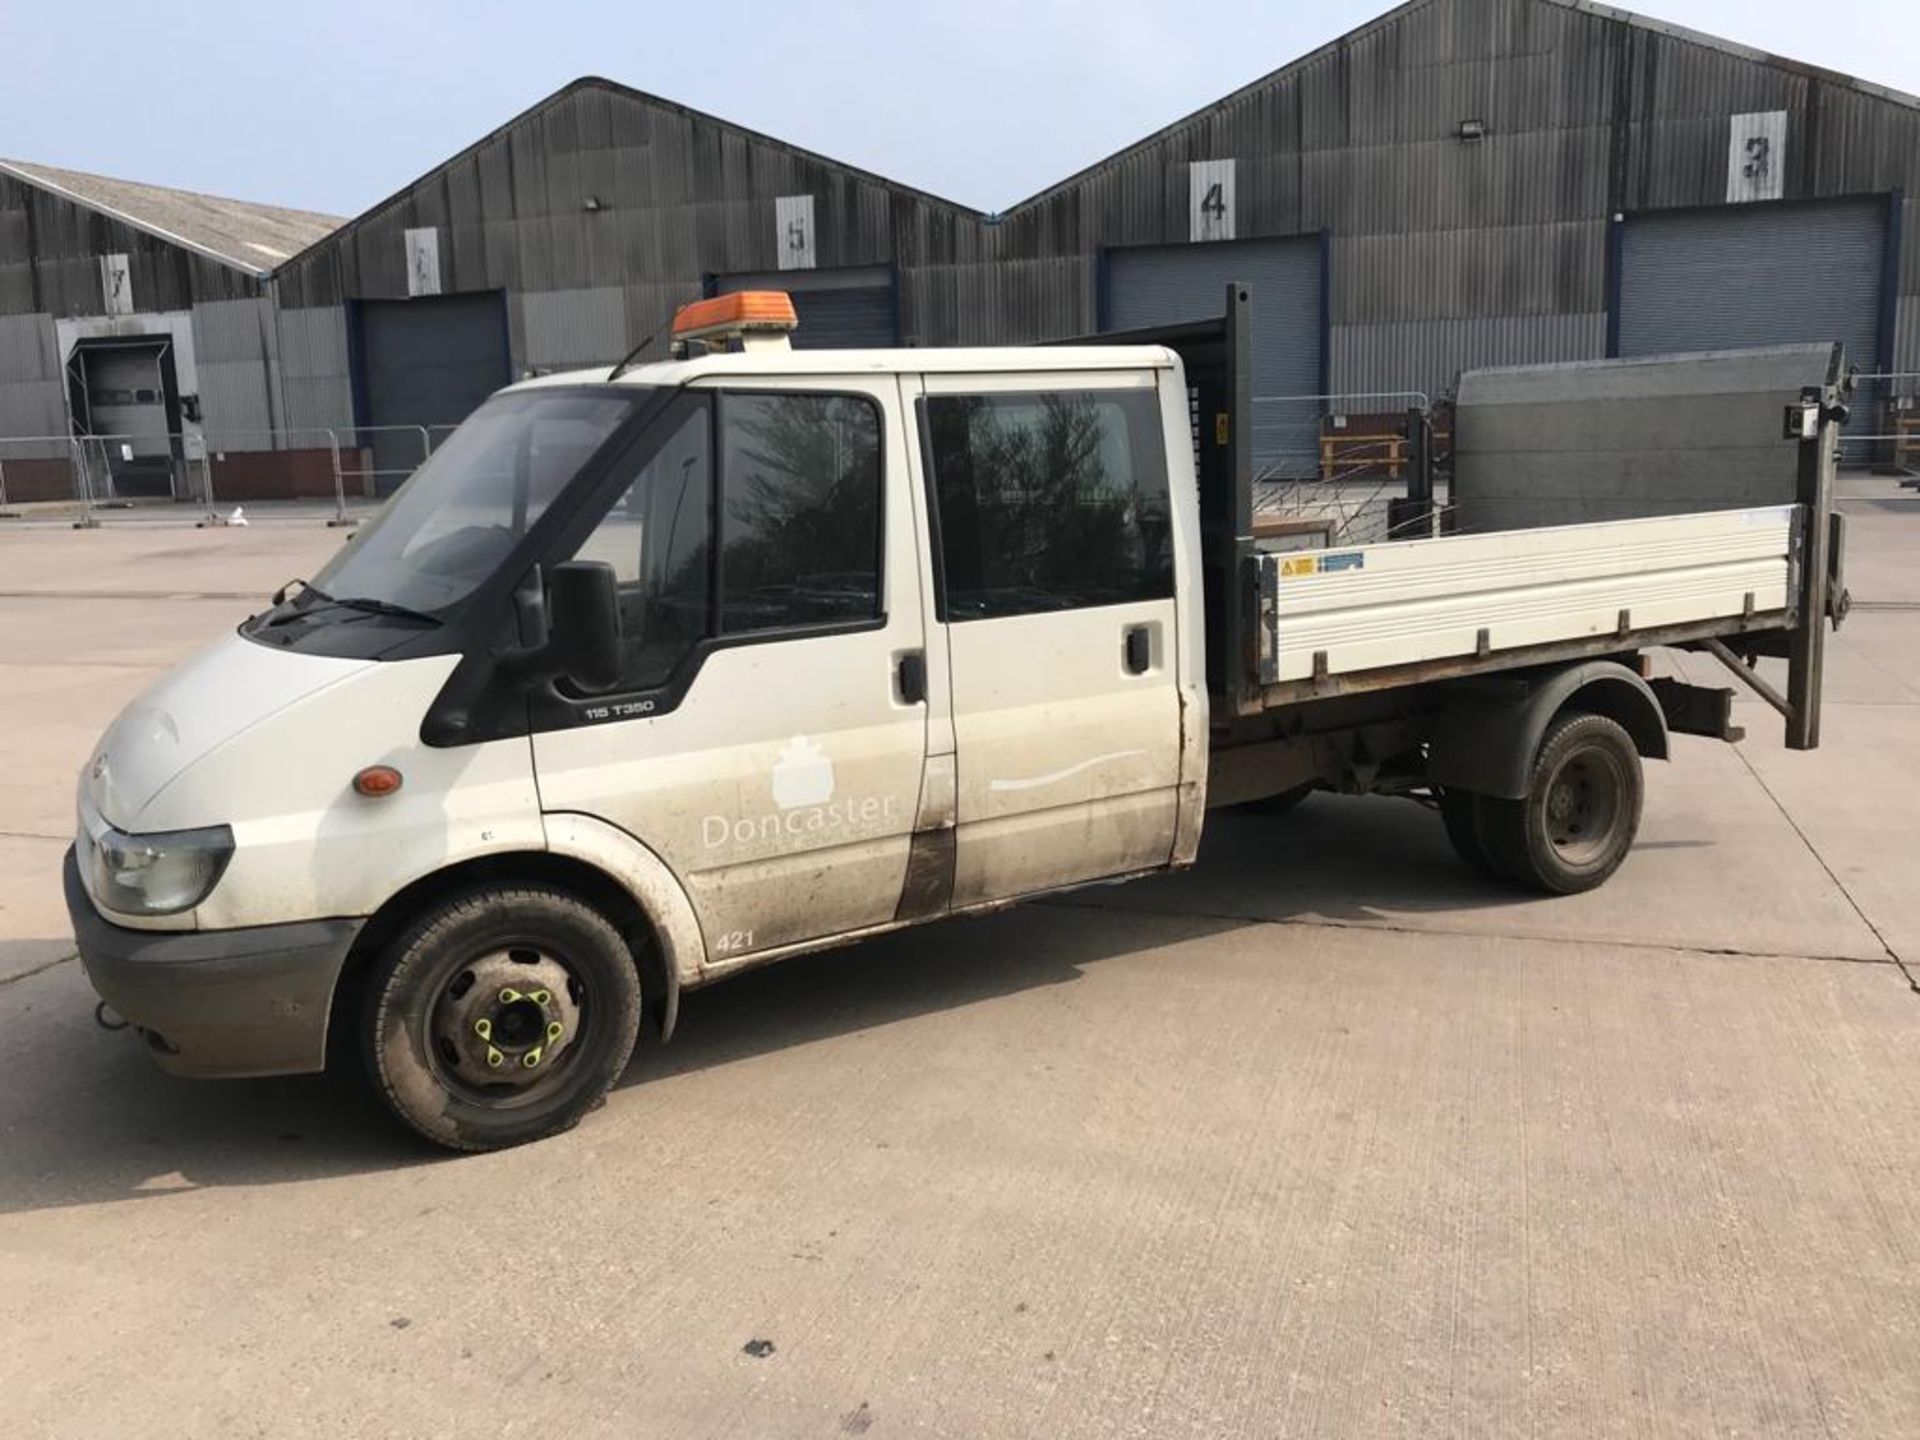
x: 217, y: 1002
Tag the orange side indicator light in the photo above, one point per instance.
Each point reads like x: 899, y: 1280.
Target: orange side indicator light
x: 757, y: 319
x: 377, y: 781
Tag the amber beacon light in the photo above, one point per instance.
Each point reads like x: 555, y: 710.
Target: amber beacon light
x: 753, y: 318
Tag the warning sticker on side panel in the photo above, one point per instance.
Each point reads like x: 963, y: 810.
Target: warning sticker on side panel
x: 1321, y: 564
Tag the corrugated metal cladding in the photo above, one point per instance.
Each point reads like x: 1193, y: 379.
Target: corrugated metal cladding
x: 50, y: 251
x: 315, y: 375
x: 568, y: 329
x: 33, y: 399
x: 1410, y: 355
x: 602, y: 188
x: 50, y: 270
x: 1449, y: 251
x: 1464, y: 159
x: 236, y: 353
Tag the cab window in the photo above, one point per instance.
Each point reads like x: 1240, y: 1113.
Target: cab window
x: 800, y: 511
x: 1051, y: 500
x: 781, y: 534
x: 658, y: 537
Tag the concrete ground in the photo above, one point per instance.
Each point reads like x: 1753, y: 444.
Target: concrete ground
x: 1321, y: 1138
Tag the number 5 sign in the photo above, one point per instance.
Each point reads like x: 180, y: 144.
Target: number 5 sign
x: 793, y: 227
x: 1210, y: 200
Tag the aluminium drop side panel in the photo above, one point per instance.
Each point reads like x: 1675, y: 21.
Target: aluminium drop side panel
x: 1375, y: 607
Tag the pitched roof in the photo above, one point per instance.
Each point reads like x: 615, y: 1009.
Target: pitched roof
x: 250, y: 237
x: 642, y: 97
x: 1596, y: 8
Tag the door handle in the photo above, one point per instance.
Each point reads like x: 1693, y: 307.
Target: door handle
x: 910, y: 677
x: 1137, y: 647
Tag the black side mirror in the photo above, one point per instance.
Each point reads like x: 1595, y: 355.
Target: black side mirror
x: 583, y: 619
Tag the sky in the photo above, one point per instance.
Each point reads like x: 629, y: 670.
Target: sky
x: 332, y: 106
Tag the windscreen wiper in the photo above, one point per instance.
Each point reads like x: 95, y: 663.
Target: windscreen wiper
x: 286, y: 592
x: 287, y: 596
x: 380, y: 607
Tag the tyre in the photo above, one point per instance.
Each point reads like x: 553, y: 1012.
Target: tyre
x: 1581, y: 811
x: 1279, y: 804
x: 1460, y: 812
x: 501, y: 1016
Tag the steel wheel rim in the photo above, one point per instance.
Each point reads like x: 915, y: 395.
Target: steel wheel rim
x: 507, y: 1025
x: 1583, y: 804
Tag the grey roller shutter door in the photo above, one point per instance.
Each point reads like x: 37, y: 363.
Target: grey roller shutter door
x: 1167, y: 284
x: 861, y: 319
x: 853, y: 309
x: 428, y: 361
x: 1734, y: 279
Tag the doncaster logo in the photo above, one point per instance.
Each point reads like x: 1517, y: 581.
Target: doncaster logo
x: 803, y: 787
x: 803, y: 775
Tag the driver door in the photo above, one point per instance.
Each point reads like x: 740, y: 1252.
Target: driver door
x: 759, y: 741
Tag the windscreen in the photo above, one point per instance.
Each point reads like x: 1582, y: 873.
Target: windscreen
x: 459, y: 515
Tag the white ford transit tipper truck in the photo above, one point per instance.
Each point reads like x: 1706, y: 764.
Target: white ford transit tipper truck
x: 650, y: 676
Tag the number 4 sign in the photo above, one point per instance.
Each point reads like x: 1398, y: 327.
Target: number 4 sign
x: 1210, y: 202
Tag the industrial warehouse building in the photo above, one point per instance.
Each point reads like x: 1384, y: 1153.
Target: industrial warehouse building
x: 1458, y: 183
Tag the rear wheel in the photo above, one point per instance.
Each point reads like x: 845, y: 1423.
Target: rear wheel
x: 501, y: 1016
x: 1460, y: 812
x: 1581, y: 811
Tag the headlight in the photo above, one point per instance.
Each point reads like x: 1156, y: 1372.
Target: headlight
x: 157, y: 874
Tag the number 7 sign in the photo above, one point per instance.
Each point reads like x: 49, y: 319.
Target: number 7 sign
x: 1210, y: 200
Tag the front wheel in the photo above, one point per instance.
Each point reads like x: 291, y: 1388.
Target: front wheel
x: 501, y: 1016
x: 1580, y: 814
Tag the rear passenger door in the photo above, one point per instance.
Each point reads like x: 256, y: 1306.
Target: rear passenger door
x: 1054, y: 590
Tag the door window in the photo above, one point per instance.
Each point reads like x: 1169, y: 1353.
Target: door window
x: 796, y: 503
x: 658, y: 539
x: 800, y: 527
x: 1048, y: 501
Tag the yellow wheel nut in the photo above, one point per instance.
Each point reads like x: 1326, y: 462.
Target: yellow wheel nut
x: 494, y: 1058
x: 483, y: 1027
x: 509, y: 995
x: 554, y: 1031
x: 531, y: 1058
x: 540, y: 997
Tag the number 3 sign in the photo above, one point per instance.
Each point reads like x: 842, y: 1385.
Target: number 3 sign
x: 1210, y: 200
x: 1757, y: 156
